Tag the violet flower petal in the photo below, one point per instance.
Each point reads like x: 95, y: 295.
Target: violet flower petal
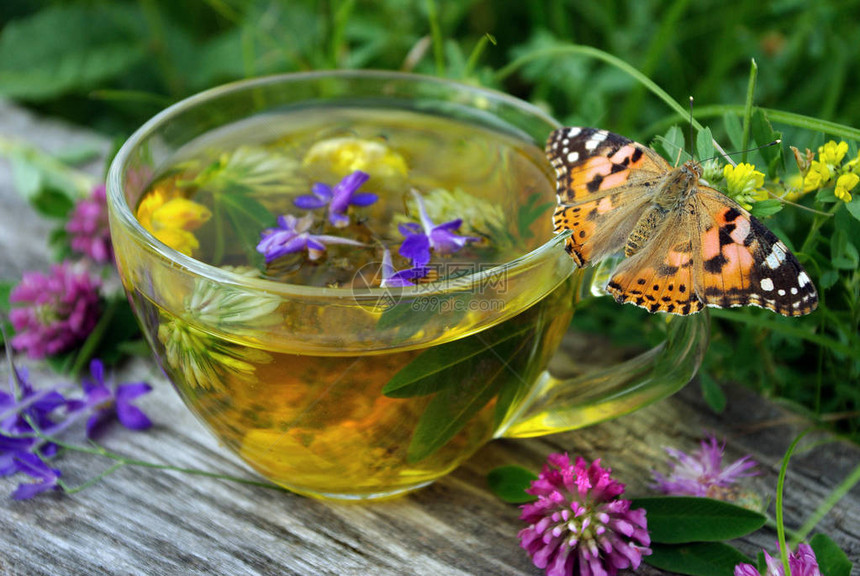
x: 34, y: 467
x: 416, y: 248
x: 132, y: 417
x: 364, y: 199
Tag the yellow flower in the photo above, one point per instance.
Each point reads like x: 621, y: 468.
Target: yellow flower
x: 346, y: 155
x: 832, y: 153
x: 817, y: 177
x: 794, y: 188
x: 844, y: 185
x: 171, y: 221
x: 744, y: 184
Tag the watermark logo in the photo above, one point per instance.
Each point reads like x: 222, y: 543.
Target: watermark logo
x: 449, y: 287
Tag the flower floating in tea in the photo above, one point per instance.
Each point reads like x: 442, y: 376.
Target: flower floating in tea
x: 204, y: 360
x: 338, y: 199
x: 294, y: 235
x: 173, y: 220
x: 479, y: 216
x: 421, y: 239
x: 391, y: 278
x: 349, y: 154
x: 251, y: 169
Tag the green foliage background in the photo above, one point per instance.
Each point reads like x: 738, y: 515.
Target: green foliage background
x: 111, y: 64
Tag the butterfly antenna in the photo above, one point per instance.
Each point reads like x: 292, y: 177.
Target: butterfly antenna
x: 727, y: 154
x: 691, y: 127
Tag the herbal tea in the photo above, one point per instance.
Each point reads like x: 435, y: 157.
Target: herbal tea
x: 377, y: 202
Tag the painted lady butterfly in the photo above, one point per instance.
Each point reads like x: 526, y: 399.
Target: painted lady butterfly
x: 687, y: 246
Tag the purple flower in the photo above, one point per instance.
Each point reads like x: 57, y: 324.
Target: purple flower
x: 88, y: 227
x: 59, y: 310
x: 578, y: 525
x: 428, y: 236
x: 293, y: 235
x: 108, y: 403
x: 18, y: 409
x: 338, y: 199
x: 394, y: 279
x: 702, y: 473
x: 801, y: 563
x: 34, y: 467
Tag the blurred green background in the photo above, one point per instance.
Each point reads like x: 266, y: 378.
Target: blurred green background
x: 112, y: 64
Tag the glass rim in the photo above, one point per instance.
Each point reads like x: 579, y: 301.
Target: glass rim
x: 121, y: 209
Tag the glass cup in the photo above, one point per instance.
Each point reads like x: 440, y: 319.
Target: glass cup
x: 364, y: 392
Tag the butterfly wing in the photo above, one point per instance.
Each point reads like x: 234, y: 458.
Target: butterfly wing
x: 713, y: 253
x: 661, y: 277
x: 745, y: 264
x: 603, y: 182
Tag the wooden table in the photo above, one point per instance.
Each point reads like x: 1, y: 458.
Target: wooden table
x: 146, y: 521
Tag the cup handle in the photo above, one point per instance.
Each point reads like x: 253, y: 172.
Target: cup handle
x: 556, y: 405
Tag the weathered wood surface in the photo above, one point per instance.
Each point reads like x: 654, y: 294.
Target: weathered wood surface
x: 146, y: 521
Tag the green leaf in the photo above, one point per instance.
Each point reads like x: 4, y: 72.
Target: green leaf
x: 52, y: 203
x: 509, y: 483
x: 828, y: 279
x: 452, y: 407
x: 5, y: 291
x: 705, y: 144
x: 734, y: 129
x: 712, y: 392
x: 438, y: 367
x: 248, y: 217
x: 832, y: 561
x: 676, y: 520
x: 763, y: 134
x: 853, y: 207
x: 122, y: 329
x: 697, y: 559
x: 765, y: 208
x: 529, y: 212
x: 5, y: 307
x: 826, y: 196
x: 843, y: 254
x: 672, y: 145
x: 66, y: 48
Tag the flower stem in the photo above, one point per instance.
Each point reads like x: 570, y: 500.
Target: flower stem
x: 780, y: 488
x: 436, y: 33
x: 120, y: 461
x: 745, y: 134
x: 91, y: 344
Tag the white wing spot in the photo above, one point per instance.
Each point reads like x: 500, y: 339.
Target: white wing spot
x: 793, y: 290
x: 573, y: 132
x: 781, y: 292
x: 573, y: 156
x: 766, y: 284
x: 802, y: 279
x: 776, y: 257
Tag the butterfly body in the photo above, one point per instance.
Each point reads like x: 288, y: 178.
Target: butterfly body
x: 686, y: 245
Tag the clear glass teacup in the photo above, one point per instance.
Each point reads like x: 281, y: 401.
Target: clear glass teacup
x: 349, y: 389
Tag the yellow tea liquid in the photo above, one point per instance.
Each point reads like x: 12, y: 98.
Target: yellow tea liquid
x: 345, y: 422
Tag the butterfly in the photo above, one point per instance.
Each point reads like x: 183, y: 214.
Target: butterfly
x: 686, y: 245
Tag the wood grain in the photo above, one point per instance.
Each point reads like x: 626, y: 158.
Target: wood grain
x: 148, y: 521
